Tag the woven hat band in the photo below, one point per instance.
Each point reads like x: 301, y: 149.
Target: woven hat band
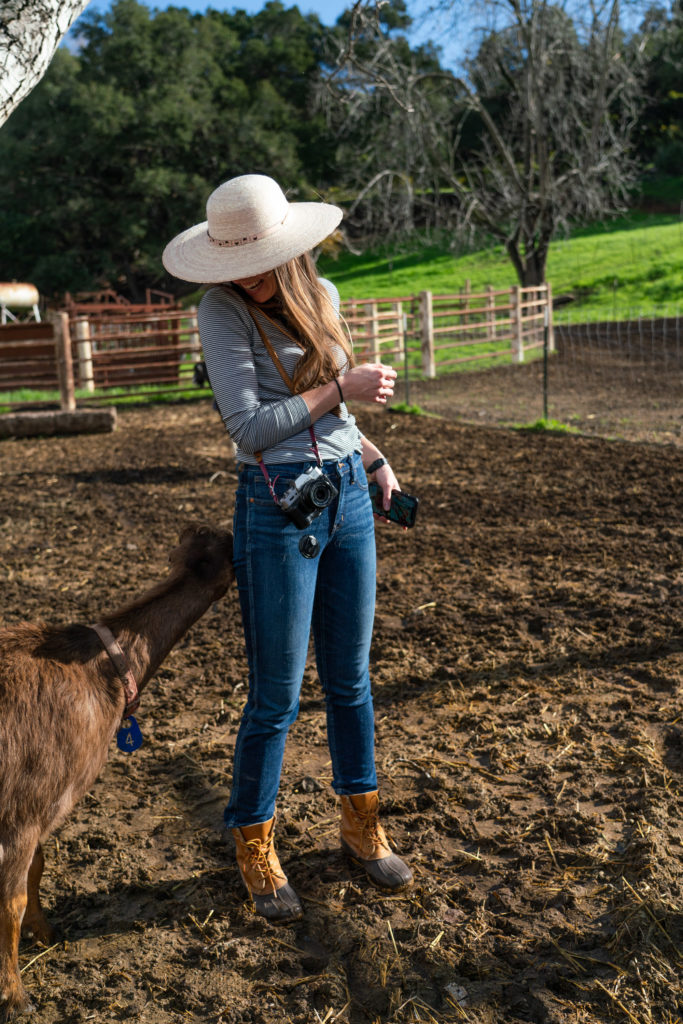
x: 230, y: 243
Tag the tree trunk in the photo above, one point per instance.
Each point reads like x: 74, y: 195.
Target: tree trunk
x: 30, y: 32
x: 534, y: 271
x: 530, y: 267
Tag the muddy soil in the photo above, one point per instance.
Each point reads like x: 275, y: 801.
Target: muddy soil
x: 527, y: 674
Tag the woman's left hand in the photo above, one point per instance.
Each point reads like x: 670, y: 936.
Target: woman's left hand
x: 387, y: 481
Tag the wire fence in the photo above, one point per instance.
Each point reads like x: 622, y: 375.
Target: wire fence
x: 621, y: 379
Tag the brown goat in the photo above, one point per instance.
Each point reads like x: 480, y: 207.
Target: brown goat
x: 61, y: 702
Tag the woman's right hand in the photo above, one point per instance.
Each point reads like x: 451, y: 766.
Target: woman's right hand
x: 369, y: 382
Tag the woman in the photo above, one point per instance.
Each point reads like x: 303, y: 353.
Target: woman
x: 281, y: 370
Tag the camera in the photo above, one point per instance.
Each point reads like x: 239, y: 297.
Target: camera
x: 307, y: 496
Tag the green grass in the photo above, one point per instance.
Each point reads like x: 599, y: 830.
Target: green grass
x: 542, y: 425
x: 157, y: 393
x: 618, y: 269
x: 411, y: 410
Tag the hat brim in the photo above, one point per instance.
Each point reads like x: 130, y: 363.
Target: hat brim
x: 192, y: 256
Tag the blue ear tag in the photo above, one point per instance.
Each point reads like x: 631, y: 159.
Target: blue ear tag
x: 129, y: 737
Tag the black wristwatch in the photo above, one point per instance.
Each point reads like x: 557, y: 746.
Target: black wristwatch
x: 381, y: 461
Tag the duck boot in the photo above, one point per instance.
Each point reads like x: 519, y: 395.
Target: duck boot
x: 364, y: 839
x: 262, y: 874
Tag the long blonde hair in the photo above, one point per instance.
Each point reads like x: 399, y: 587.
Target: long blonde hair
x: 308, y: 308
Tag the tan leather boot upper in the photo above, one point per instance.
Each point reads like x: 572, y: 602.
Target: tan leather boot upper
x: 364, y: 839
x: 360, y: 827
x: 257, y: 860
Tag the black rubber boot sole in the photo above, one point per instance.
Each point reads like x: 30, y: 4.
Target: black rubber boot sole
x: 388, y: 873
x: 279, y: 907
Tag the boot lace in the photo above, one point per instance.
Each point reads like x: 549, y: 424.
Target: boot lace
x: 371, y: 832
x: 263, y: 859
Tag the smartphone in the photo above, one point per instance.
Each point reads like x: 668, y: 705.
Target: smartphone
x: 403, y: 508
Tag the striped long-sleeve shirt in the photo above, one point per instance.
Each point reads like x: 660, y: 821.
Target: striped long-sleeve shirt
x: 259, y: 411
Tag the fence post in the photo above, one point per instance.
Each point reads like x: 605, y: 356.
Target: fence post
x: 400, y: 329
x: 86, y: 378
x: 490, y: 314
x: 551, y: 332
x: 406, y: 365
x: 427, y: 328
x: 65, y: 369
x: 194, y: 345
x: 517, y: 341
x: 374, y: 327
x: 365, y: 330
x: 466, y: 305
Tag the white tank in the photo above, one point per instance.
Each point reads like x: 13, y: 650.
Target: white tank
x: 16, y: 295
x: 21, y: 296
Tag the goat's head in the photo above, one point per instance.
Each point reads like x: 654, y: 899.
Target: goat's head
x: 207, y: 553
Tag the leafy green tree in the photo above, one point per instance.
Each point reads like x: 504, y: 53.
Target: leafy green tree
x: 119, y: 146
x: 660, y: 131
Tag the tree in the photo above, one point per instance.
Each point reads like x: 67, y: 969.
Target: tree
x: 386, y: 130
x: 29, y: 35
x: 660, y: 132
x: 118, y: 147
x: 537, y: 133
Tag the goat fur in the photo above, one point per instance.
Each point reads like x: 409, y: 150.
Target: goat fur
x: 61, y: 703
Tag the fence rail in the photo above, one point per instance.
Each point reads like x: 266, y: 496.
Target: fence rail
x: 131, y: 350
x: 428, y: 331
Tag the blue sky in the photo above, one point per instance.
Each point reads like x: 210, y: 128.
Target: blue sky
x: 327, y: 10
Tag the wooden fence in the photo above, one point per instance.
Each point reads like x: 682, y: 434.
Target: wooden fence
x: 153, y: 352
x: 431, y: 333
x: 37, y: 356
x: 157, y: 349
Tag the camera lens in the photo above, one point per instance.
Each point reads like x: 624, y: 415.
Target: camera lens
x: 319, y: 494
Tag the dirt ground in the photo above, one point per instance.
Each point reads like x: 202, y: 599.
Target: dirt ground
x: 527, y: 673
x: 604, y: 380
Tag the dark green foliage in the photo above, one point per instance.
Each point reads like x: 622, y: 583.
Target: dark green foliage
x: 660, y: 131
x: 118, y: 148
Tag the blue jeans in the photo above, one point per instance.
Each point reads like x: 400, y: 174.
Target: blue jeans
x: 283, y: 594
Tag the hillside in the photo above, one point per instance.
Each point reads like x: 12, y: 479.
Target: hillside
x: 614, y: 270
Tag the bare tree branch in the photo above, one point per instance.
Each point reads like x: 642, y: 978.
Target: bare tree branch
x: 532, y: 137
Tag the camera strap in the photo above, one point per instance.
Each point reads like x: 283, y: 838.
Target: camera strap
x: 288, y: 381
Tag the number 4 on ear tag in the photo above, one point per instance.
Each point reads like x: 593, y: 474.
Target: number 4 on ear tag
x: 129, y: 737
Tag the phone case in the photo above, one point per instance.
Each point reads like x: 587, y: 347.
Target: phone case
x: 403, y: 508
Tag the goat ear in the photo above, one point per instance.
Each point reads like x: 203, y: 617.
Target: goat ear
x: 209, y: 562
x: 189, y: 528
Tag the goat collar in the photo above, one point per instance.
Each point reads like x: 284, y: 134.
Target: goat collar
x: 120, y: 663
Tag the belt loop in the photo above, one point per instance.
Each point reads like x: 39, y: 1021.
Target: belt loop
x: 352, y: 468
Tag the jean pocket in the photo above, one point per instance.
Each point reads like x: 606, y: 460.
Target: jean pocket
x: 359, y: 479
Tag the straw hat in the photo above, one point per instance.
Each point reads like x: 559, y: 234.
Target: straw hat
x: 250, y: 229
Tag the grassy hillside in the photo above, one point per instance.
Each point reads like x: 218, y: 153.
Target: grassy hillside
x: 619, y: 269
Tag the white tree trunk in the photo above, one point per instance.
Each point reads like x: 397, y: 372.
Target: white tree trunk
x: 30, y: 32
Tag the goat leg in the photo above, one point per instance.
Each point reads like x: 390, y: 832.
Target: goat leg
x: 35, y: 921
x: 13, y: 998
